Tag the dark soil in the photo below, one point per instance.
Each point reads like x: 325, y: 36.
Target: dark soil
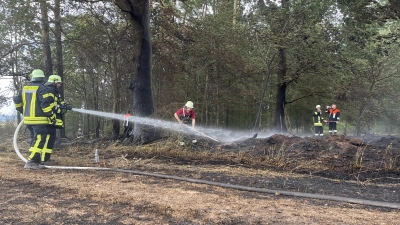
x: 333, y: 165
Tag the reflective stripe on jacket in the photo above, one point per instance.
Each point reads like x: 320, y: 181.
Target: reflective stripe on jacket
x: 57, y: 102
x: 126, y: 122
x: 38, y: 104
x: 334, y: 114
x: 317, y: 118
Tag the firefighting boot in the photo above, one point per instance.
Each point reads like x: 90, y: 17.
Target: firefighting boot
x: 34, y: 163
x: 46, y: 160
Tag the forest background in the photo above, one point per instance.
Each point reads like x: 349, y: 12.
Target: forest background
x: 245, y: 64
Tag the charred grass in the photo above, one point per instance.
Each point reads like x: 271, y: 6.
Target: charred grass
x: 333, y: 157
x: 334, y: 166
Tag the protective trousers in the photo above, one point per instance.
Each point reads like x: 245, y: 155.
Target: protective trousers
x: 319, y: 131
x: 127, y: 130
x: 31, y: 135
x: 43, y: 143
x: 332, y: 127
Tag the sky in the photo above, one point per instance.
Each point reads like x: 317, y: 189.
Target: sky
x: 4, y: 82
x: 8, y: 109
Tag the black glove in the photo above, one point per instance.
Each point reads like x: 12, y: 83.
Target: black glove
x: 63, y: 110
x: 65, y: 107
x: 69, y: 107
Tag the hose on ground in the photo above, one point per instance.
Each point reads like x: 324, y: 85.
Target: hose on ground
x: 219, y: 184
x: 15, y: 141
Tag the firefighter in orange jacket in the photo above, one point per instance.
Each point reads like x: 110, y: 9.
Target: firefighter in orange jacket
x: 127, y: 124
x: 333, y: 118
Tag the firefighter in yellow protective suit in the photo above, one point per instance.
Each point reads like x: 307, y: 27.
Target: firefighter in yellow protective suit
x: 54, y: 83
x: 38, y: 107
x: 317, y: 119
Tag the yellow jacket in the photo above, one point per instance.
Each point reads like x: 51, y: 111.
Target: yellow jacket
x: 36, y: 103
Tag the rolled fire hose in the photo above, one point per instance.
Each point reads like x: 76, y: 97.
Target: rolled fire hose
x: 224, y: 185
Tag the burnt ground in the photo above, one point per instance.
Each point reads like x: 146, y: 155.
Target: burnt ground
x: 366, y: 168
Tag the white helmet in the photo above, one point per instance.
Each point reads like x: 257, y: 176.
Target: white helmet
x: 318, y: 106
x: 189, y: 104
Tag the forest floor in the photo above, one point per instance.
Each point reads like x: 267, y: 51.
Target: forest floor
x: 348, y: 167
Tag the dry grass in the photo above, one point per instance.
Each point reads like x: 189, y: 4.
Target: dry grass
x: 7, y: 128
x: 276, y: 155
x: 95, y: 197
x: 390, y: 158
x: 89, y: 197
x: 358, y: 159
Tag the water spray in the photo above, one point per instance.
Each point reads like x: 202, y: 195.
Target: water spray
x: 203, y: 134
x: 217, y: 135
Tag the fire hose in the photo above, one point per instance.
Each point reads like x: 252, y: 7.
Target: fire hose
x: 219, y: 184
x: 201, y: 133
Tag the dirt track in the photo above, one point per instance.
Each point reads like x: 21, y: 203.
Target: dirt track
x: 95, y: 197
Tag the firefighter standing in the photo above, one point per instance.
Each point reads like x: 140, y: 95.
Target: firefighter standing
x: 333, y: 118
x: 37, y: 106
x: 53, y: 84
x: 19, y: 105
x: 127, y: 124
x: 317, y: 118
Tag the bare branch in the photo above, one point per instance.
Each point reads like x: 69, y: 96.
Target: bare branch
x: 17, y: 47
x: 309, y: 95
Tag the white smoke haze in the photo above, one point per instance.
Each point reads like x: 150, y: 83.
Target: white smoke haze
x: 221, y: 135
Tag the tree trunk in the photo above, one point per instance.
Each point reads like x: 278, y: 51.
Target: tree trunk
x: 139, y: 14
x: 358, y: 126
x: 234, y: 11
x: 48, y: 66
x: 86, y: 127
x: 217, y: 100
x: 95, y: 88
x: 116, y: 101
x: 227, y: 115
x: 280, y: 125
x: 204, y: 111
x: 17, y: 82
x: 59, y: 54
x: 115, y: 128
x: 257, y: 122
